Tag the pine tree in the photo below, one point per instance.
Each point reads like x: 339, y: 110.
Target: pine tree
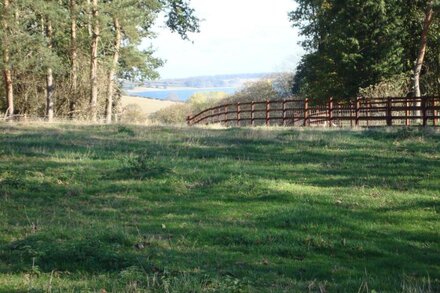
x: 48, y: 41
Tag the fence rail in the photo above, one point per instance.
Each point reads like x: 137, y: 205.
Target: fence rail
x: 299, y: 112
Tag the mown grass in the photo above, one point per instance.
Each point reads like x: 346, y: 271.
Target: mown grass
x: 163, y: 209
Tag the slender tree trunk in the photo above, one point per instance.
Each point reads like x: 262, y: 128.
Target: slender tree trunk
x: 94, y: 63
x: 7, y: 72
x: 73, y: 60
x: 49, y: 76
x: 421, y: 56
x: 89, y: 16
x: 111, y: 75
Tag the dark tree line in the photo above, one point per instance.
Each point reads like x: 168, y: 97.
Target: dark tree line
x: 354, y: 45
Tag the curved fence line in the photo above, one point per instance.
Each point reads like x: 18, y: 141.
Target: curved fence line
x: 361, y: 112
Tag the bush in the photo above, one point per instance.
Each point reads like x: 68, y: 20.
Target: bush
x: 133, y: 113
x: 275, y: 87
x: 396, y: 86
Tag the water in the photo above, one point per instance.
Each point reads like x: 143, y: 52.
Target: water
x: 180, y: 94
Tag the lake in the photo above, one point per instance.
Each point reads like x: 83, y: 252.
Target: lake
x: 179, y: 94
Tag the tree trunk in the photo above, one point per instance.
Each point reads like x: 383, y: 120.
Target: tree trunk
x: 89, y: 17
x: 73, y: 60
x: 7, y: 72
x: 111, y: 75
x: 49, y: 77
x: 421, y: 56
x: 94, y: 63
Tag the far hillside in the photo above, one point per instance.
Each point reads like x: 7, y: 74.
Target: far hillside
x: 223, y: 80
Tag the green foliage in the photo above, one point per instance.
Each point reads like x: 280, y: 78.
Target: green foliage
x: 181, y: 17
x: 174, y: 114
x: 202, y: 101
x: 31, y: 56
x: 172, y: 209
x: 396, y: 86
x: 356, y: 45
x: 275, y: 87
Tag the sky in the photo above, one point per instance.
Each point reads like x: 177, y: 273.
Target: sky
x: 237, y: 36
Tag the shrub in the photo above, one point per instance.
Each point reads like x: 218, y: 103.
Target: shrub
x: 133, y: 114
x: 396, y: 86
x: 275, y: 87
x: 172, y: 114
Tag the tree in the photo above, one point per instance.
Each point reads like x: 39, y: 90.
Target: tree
x: 49, y: 76
x: 44, y: 43
x: 353, y: 45
x: 94, y: 61
x: 7, y: 71
x: 423, y: 43
x: 111, y: 74
x: 73, y: 58
x: 131, y: 22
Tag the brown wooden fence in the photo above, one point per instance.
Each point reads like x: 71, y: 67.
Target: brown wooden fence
x: 299, y: 112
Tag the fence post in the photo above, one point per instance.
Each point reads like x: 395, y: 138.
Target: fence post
x: 267, y: 113
x: 350, y: 104
x: 368, y: 108
x: 306, y: 111
x: 253, y: 113
x: 389, y: 112
x: 238, y: 114
x: 424, y: 116
x: 293, y: 115
x: 330, y: 112
x: 357, y: 111
x: 434, y: 113
x: 284, y: 113
x: 406, y: 112
x: 188, y: 120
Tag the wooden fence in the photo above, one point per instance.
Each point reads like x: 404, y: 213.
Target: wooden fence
x: 361, y: 112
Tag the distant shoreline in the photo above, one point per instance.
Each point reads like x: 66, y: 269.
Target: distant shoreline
x: 176, y: 93
x: 151, y: 89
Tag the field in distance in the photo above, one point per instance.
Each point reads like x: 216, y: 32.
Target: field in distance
x: 147, y: 106
x: 164, y: 209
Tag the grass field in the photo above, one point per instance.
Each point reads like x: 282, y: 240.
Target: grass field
x: 163, y: 209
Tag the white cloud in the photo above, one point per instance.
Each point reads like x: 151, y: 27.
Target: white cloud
x: 237, y: 36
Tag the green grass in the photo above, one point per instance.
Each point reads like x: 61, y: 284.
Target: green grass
x: 163, y: 209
